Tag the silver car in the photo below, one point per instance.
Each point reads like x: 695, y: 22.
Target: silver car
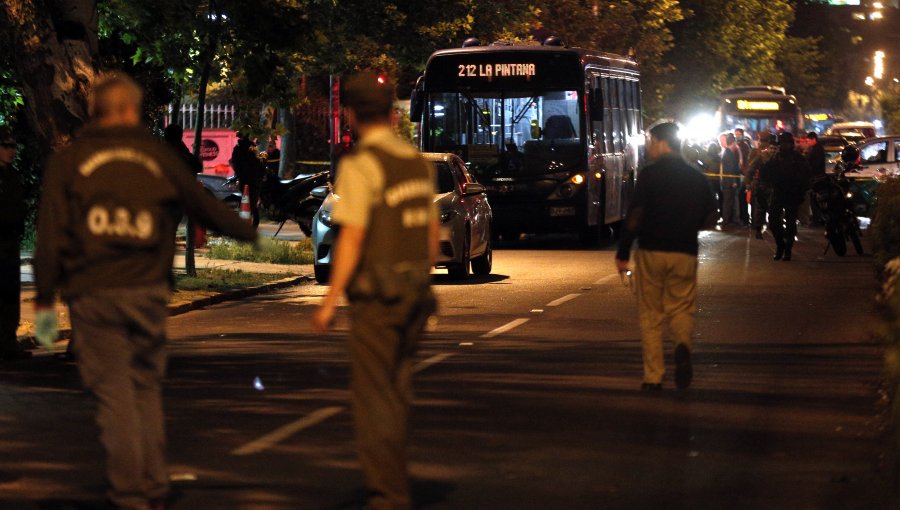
x: 465, y: 235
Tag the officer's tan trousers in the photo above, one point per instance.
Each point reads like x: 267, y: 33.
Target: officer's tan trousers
x: 120, y: 339
x: 381, y: 394
x: 667, y: 291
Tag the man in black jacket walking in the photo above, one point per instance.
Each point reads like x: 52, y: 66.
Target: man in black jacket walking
x: 788, y: 175
x: 665, y: 225
x: 106, y: 239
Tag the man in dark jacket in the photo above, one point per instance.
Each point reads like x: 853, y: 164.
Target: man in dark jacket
x: 12, y: 223
x: 788, y: 175
x: 249, y: 171
x: 173, y: 135
x: 110, y: 206
x: 817, y: 163
x: 665, y: 225
x: 731, y: 180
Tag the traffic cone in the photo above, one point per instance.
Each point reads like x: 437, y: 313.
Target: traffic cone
x: 245, y: 213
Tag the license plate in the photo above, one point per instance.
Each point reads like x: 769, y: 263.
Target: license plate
x: 562, y: 211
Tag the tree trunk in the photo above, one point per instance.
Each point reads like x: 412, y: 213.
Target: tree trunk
x: 288, y: 144
x: 212, y: 45
x: 55, y: 58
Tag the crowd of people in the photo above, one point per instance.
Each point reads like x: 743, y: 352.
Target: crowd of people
x: 764, y: 184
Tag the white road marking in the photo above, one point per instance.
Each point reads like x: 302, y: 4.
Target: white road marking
x: 606, y: 279
x: 434, y: 360
x: 504, y: 328
x: 280, y: 434
x: 564, y: 299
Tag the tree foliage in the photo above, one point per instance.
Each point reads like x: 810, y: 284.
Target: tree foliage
x: 640, y: 28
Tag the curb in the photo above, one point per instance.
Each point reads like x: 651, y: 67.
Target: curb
x: 29, y: 342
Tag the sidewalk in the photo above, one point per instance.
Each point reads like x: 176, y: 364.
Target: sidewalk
x: 293, y: 275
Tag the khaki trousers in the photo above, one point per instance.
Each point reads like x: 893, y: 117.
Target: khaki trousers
x: 383, y: 339
x: 120, y: 342
x: 667, y: 291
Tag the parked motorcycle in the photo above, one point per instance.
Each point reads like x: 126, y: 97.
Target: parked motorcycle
x: 291, y: 199
x: 834, y: 197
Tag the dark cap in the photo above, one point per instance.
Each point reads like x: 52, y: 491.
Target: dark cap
x: 6, y: 135
x: 785, y: 137
x: 369, y: 95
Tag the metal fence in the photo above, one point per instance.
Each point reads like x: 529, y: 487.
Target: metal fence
x: 214, y: 116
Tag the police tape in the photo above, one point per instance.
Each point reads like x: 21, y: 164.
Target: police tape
x: 725, y: 176
x: 313, y: 162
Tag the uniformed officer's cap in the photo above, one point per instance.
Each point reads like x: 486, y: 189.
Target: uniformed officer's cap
x: 785, y: 137
x: 369, y: 95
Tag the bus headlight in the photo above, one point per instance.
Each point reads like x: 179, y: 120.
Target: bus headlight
x: 577, y: 179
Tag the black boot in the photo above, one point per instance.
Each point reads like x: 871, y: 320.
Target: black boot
x: 787, y: 254
x: 779, y: 252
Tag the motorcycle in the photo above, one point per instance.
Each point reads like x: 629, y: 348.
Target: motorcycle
x: 834, y: 197
x: 292, y: 199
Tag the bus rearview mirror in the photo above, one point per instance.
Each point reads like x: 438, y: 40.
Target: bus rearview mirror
x: 536, y: 131
x: 417, y: 102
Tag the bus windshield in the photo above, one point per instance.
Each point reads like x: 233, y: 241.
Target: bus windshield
x: 507, y: 133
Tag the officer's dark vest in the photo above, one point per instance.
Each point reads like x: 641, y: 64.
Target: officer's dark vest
x: 394, y: 259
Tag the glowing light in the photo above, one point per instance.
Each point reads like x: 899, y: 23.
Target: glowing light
x: 577, y: 178
x: 381, y: 80
x: 817, y: 117
x: 744, y: 104
x: 257, y: 384
x: 878, y: 5
x: 879, y: 65
x: 870, y: 81
x: 598, y: 175
x: 876, y: 15
x: 701, y: 127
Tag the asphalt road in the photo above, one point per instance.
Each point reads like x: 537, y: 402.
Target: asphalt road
x: 527, y: 396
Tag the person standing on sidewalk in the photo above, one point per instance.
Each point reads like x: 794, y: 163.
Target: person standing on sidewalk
x: 665, y: 225
x: 110, y: 206
x: 788, y: 174
x: 744, y: 147
x: 731, y: 180
x: 760, y: 193
x: 383, y: 258
x: 12, y: 225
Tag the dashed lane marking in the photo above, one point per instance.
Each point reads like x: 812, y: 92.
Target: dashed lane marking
x: 280, y: 434
x: 504, y: 328
x: 434, y: 360
x: 564, y: 299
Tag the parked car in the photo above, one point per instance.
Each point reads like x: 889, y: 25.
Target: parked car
x: 224, y: 189
x: 833, y: 145
x: 866, y: 129
x: 465, y: 215
x: 878, y: 158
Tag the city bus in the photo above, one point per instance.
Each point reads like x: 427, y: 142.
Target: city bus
x: 553, y: 133
x: 759, y: 108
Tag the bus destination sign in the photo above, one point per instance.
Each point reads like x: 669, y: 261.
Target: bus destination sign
x: 489, y: 71
x: 769, y: 106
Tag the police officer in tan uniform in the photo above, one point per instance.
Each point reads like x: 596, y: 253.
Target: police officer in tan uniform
x: 383, y: 258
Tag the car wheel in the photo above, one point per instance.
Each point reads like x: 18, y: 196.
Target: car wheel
x: 322, y: 272
x: 460, y: 271
x: 482, y: 265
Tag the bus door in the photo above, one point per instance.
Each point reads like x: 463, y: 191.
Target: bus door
x: 607, y: 129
